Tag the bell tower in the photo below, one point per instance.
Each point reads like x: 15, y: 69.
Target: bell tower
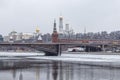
x: 54, y: 34
x: 61, y: 24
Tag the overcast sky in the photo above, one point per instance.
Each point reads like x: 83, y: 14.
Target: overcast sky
x: 26, y: 15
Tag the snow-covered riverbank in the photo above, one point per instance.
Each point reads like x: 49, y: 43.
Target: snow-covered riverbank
x: 65, y: 57
x: 19, y: 54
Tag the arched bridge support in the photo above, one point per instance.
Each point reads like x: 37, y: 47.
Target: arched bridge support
x: 57, y: 51
x: 48, y: 49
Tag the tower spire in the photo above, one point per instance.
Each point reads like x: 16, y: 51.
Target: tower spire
x: 54, y: 28
x: 84, y: 30
x: 54, y: 34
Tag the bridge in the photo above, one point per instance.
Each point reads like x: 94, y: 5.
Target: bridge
x: 55, y: 49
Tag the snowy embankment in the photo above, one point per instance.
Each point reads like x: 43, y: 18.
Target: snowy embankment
x: 65, y: 57
x: 86, y: 59
x: 19, y: 54
x: 80, y: 58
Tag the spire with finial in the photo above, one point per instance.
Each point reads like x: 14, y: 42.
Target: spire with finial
x: 84, y: 30
x: 54, y: 29
x: 54, y: 34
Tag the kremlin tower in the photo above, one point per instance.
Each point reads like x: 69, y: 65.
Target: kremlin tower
x: 54, y: 34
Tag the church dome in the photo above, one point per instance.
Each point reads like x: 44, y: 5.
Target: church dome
x: 37, y: 30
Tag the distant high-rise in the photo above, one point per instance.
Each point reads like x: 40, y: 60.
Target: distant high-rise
x: 60, y: 24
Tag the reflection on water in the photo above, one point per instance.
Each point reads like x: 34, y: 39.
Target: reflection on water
x: 21, y: 75
x: 11, y: 70
x: 55, y: 71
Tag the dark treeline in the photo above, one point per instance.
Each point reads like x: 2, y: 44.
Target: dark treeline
x: 115, y: 35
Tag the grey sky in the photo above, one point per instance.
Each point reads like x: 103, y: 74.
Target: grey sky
x: 25, y: 15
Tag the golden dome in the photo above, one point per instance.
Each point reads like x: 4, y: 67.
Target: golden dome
x: 37, y: 30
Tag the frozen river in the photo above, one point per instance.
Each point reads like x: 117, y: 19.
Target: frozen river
x: 35, y: 66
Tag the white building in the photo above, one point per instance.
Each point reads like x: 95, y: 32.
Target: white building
x: 14, y: 36
x: 61, y: 25
x: 26, y: 35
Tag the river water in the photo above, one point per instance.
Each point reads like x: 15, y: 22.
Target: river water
x: 28, y: 69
